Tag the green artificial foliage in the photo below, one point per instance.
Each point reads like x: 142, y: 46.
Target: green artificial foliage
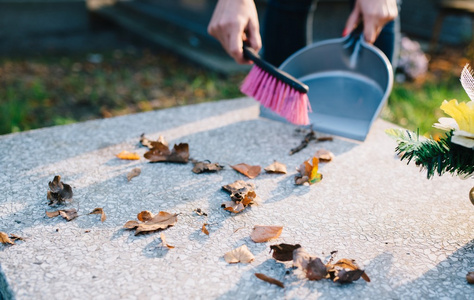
x: 439, y: 157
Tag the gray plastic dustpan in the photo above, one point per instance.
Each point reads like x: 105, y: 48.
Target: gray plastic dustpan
x: 347, y: 89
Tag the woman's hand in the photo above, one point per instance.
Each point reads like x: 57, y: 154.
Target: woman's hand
x: 233, y: 22
x: 374, y: 14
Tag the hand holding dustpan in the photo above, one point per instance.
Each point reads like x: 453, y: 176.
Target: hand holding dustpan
x: 349, y: 82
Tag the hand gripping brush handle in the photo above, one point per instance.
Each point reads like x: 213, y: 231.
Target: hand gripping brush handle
x: 276, y: 90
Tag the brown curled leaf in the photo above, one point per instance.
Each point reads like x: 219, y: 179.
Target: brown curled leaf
x: 160, y: 221
x: 68, y: 214
x: 204, y: 229
x: 15, y: 237
x: 283, y: 252
x: 232, y: 206
x: 126, y: 155
x: 206, y: 167
x: 313, y: 267
x: 133, y: 173
x: 52, y: 214
x: 161, y: 153
x: 4, y: 239
x: 240, y: 254
x: 247, y: 170
x: 269, y: 279
x: 59, y: 191
x: 99, y: 211
x: 261, y: 234
x: 242, y: 192
x: 346, y: 271
x: 149, y: 143
x: 324, y: 155
x: 276, y: 167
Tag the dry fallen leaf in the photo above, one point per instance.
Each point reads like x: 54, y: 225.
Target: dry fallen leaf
x: 242, y: 195
x: 153, y: 222
x: 149, y: 144
x: 308, y: 173
x: 164, y: 244
x: 241, y: 254
x: 284, y: 252
x: 232, y: 206
x: 313, y: 267
x: 470, y: 277
x: 247, y: 170
x: 133, y: 173
x: 161, y: 153
x: 59, y: 191
x: 68, y: 214
x: 206, y: 167
x: 5, y: 239
x: 324, y: 155
x: 15, y: 237
x: 128, y: 155
x: 204, y: 229
x: 276, y: 167
x: 269, y: 279
x: 261, y: 234
x: 99, y: 211
x: 345, y: 271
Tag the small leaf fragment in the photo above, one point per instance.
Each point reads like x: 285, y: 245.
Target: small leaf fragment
x: 284, y: 252
x: 261, y: 234
x: 133, y: 173
x: 470, y: 277
x: 206, y: 167
x: 248, y: 170
x: 204, y: 229
x: 269, y: 279
x: 164, y: 244
x: 59, y: 191
x: 200, y: 212
x: 324, y: 155
x: 276, y: 167
x: 52, y: 214
x: 99, y: 211
x: 126, y: 155
x: 240, y: 254
x: 15, y: 237
x: 4, y: 239
x: 160, y: 221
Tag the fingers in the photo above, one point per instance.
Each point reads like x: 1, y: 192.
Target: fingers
x: 232, y: 22
x: 352, y: 21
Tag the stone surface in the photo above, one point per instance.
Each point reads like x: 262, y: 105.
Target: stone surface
x: 413, y: 235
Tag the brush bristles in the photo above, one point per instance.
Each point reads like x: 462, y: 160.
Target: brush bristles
x: 277, y: 96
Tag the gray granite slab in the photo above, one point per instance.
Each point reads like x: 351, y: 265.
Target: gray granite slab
x: 413, y: 236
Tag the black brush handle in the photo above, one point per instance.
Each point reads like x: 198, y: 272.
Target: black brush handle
x: 249, y: 53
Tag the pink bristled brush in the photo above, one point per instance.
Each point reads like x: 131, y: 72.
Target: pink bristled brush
x: 276, y: 90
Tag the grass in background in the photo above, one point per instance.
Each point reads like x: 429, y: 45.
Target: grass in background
x: 51, y: 90
x: 56, y: 90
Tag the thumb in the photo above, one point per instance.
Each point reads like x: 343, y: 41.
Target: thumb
x: 352, y: 21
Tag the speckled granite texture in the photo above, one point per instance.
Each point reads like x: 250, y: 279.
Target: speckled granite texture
x: 414, y: 236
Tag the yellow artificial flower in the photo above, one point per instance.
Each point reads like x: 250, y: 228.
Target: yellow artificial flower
x: 462, y: 113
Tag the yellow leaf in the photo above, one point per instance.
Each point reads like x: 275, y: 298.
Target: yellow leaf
x: 314, y: 175
x: 128, y: 155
